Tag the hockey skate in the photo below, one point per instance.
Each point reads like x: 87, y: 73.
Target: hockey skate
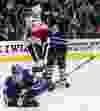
x: 26, y: 99
x: 64, y: 82
x: 51, y: 85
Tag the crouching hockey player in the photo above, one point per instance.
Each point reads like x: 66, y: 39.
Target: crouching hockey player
x: 18, y: 91
x: 9, y: 91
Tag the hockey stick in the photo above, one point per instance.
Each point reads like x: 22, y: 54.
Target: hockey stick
x: 88, y: 60
x: 61, y: 83
x: 81, y: 65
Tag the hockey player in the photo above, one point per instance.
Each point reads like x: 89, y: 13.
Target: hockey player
x: 18, y: 85
x: 10, y: 90
x: 56, y: 51
x: 56, y: 54
x: 25, y: 86
x: 37, y: 42
x: 39, y: 33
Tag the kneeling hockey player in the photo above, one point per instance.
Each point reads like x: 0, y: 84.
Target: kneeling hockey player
x: 17, y: 84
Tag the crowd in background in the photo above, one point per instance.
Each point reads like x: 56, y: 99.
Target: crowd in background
x: 76, y: 18
x: 69, y: 16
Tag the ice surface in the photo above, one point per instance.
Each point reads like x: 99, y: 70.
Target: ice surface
x: 85, y: 82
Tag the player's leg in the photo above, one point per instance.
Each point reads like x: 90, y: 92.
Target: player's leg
x: 50, y: 65
x: 32, y: 52
x: 30, y: 100
x: 62, y: 66
x: 38, y: 49
x: 44, y: 50
x: 61, y: 61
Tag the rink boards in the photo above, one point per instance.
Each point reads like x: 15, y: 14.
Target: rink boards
x: 14, y: 51
x: 76, y: 51
x: 68, y: 56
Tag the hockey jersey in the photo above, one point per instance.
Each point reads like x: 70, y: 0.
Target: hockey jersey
x: 56, y: 39
x: 37, y: 86
x: 11, y: 87
x: 40, y: 31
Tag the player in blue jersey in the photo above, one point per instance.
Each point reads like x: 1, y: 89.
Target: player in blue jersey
x: 10, y: 90
x: 24, y: 88
x: 56, y: 54
x: 19, y: 84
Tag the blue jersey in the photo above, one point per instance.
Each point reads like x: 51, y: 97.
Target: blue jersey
x: 56, y: 39
x: 36, y: 86
x: 11, y: 87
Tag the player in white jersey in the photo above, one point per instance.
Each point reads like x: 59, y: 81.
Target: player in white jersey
x: 39, y: 32
x: 37, y: 43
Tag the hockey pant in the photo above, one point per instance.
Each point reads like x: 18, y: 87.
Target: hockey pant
x: 37, y: 51
x: 56, y: 55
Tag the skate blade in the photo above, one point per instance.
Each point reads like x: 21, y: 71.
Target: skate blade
x: 60, y: 84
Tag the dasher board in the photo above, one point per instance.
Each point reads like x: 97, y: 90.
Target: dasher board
x: 13, y: 51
